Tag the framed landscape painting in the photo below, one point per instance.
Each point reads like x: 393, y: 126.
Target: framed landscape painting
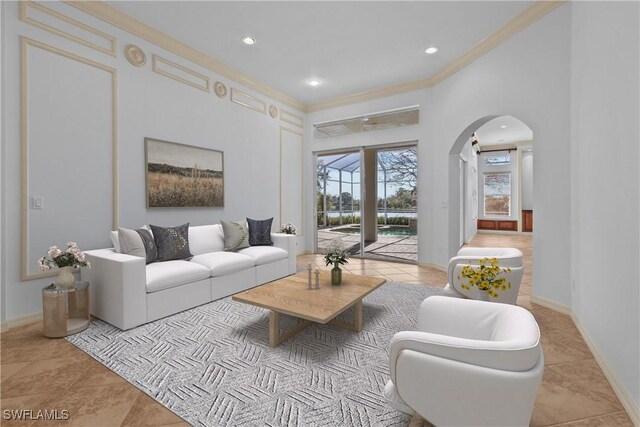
x: 183, y: 176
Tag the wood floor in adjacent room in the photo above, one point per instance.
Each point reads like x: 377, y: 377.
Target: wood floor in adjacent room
x: 40, y: 373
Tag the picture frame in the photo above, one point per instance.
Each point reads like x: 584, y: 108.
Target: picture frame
x: 183, y: 176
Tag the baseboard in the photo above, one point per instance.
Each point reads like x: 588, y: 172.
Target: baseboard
x: 434, y: 266
x: 551, y: 305
x: 514, y: 233
x: 20, y: 321
x: 632, y: 408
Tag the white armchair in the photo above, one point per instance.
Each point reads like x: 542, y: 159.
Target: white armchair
x: 507, y: 257
x: 469, y: 363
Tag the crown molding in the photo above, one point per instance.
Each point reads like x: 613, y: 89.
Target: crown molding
x: 532, y: 14
x: 138, y: 28
x: 372, y: 94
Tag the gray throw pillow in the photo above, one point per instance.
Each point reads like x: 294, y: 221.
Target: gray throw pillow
x: 236, y: 235
x: 260, y: 232
x: 137, y: 243
x: 172, y: 242
x: 149, y: 244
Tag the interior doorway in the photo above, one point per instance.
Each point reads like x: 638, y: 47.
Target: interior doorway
x: 367, y: 200
x: 490, y: 180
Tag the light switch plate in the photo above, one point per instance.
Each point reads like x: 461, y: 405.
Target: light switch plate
x: 37, y: 202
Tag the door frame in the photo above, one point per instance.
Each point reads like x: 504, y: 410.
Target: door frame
x: 346, y: 150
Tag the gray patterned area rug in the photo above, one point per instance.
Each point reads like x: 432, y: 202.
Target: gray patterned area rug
x: 212, y: 365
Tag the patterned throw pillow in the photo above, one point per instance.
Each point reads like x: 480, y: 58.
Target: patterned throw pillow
x: 172, y: 242
x: 236, y: 235
x: 149, y: 244
x: 260, y: 232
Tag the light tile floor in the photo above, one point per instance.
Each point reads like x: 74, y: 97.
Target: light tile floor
x: 40, y: 373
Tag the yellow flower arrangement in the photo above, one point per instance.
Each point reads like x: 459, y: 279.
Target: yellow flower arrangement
x: 484, y: 276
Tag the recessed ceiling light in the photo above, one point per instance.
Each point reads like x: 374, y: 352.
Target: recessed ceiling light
x: 503, y: 126
x: 501, y: 140
x: 431, y: 50
x: 248, y: 40
x: 313, y: 83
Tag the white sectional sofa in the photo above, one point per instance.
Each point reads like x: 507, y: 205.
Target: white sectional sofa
x: 127, y: 293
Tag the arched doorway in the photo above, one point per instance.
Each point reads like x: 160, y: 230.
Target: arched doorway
x: 491, y: 192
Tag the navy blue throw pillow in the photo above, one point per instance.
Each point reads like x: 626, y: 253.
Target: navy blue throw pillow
x: 260, y: 232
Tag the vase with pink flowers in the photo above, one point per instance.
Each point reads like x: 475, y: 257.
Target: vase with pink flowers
x: 68, y: 260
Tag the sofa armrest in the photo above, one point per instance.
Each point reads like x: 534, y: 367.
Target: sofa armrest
x: 447, y: 391
x: 484, y: 353
x: 117, y: 287
x: 288, y: 243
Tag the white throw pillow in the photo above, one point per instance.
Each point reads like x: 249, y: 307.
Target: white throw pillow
x: 115, y: 241
x: 113, y: 236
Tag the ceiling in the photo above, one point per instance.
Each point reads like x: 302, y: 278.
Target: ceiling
x: 492, y: 133
x: 350, y: 47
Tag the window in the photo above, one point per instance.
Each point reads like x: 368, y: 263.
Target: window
x: 497, y: 194
x: 497, y: 160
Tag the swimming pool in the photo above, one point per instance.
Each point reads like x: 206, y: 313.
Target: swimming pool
x: 382, y: 231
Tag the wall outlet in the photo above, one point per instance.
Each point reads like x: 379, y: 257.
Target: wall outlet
x: 37, y: 202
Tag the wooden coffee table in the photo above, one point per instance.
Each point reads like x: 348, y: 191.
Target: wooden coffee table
x: 290, y: 296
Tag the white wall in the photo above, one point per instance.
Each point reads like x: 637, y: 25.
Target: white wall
x: 526, y: 177
x: 605, y: 202
x: 150, y: 105
x: 3, y: 181
x: 527, y: 77
x: 472, y: 193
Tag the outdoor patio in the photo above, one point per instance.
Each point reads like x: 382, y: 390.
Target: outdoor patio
x: 387, y: 248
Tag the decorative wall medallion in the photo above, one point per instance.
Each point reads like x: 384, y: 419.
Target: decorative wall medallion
x: 220, y: 89
x: 135, y: 55
x: 273, y: 111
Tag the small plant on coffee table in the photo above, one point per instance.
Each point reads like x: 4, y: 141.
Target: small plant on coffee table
x: 336, y: 255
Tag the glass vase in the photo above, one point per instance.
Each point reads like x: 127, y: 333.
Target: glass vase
x: 336, y: 276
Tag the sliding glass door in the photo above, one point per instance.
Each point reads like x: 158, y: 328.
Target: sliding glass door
x: 367, y: 199
x: 338, y: 201
x: 396, y: 205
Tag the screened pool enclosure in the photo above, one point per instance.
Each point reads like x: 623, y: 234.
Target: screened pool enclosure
x: 386, y: 200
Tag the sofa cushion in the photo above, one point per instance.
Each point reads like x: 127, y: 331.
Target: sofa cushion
x: 206, y: 238
x: 264, y: 254
x: 169, y: 274
x: 221, y: 263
